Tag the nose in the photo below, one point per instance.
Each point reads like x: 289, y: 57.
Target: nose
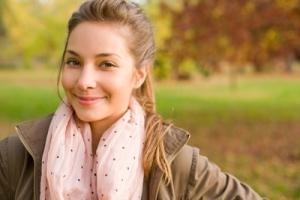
x: 87, y: 78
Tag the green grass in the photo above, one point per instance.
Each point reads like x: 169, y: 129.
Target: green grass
x: 251, y: 131
x: 21, y: 102
x: 253, y: 100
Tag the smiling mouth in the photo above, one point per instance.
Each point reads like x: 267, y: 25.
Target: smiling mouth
x: 86, y: 100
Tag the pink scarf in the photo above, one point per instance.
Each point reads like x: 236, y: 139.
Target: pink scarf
x: 69, y: 169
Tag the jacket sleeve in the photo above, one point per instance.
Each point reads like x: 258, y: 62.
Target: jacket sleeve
x: 207, y: 181
x: 5, y: 192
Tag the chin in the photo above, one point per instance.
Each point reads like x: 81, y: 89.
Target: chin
x: 87, y: 118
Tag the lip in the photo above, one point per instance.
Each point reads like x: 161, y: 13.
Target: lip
x: 88, y: 100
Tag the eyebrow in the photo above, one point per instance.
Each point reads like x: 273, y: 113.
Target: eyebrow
x: 97, y: 55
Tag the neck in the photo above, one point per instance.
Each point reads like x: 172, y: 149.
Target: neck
x: 99, y: 127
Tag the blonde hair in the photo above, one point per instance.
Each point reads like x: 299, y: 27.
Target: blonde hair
x: 142, y: 46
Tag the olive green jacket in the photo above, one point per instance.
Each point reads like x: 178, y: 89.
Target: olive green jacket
x: 194, y: 177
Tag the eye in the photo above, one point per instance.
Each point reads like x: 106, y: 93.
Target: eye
x: 72, y: 62
x: 107, y: 65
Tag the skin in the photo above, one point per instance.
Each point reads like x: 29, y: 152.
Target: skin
x: 99, y: 74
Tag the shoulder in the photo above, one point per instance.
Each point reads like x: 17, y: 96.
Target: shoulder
x: 12, y: 152
x: 203, y: 178
x: 178, y: 152
x: 12, y: 158
x: 12, y: 148
x: 186, y: 159
x: 181, y: 166
x: 190, y: 166
x: 11, y: 145
x: 186, y: 163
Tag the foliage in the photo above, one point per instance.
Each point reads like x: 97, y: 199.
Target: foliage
x: 2, y: 8
x: 162, y: 67
x: 37, y: 30
x: 206, y: 33
x: 240, y: 32
x: 162, y: 31
x: 187, y: 68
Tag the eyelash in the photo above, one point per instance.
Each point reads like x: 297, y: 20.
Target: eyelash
x: 73, y: 62
x: 107, y: 64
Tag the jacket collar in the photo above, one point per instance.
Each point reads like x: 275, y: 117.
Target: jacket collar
x: 174, y: 140
x: 33, y: 135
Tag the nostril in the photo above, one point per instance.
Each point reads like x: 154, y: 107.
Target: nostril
x: 86, y: 83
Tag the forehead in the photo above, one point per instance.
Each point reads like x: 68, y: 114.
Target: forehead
x: 99, y: 37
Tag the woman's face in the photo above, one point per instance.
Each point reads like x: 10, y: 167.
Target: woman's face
x: 99, y: 71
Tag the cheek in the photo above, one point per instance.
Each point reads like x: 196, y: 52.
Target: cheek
x: 67, y: 80
x: 123, y: 84
x: 119, y: 89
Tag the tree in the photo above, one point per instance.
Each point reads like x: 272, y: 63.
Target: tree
x: 37, y: 30
x: 239, y: 32
x: 3, y: 4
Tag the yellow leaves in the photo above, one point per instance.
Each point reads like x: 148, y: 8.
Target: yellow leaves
x: 249, y: 8
x: 175, y: 5
x: 12, y: 19
x: 270, y: 40
x: 223, y: 41
x: 37, y: 29
x: 218, y: 12
x: 224, y: 45
x: 189, y: 34
x: 187, y: 68
x: 287, y: 4
x: 163, y: 31
x: 162, y: 24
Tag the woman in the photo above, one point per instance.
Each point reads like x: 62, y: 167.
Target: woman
x: 105, y: 140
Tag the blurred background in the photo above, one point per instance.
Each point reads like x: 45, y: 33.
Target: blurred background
x: 227, y: 71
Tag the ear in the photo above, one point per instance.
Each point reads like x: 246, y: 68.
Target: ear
x: 141, y: 73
